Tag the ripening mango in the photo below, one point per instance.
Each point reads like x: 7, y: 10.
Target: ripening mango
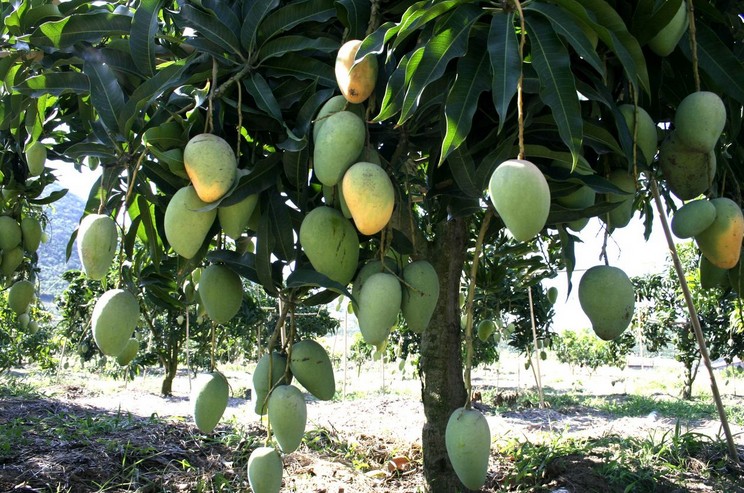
x: 356, y: 81
x: 607, y: 298
x: 468, y: 442
x: 211, y: 166
x: 721, y: 241
x: 369, y: 196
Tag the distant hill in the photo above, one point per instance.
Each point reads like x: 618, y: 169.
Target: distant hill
x: 64, y: 216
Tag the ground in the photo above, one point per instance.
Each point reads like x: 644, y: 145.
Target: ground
x: 78, y: 431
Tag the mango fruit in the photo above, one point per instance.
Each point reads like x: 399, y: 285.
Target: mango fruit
x: 23, y: 320
x: 31, y: 233
x: 265, y: 470
x: 33, y: 327
x: 210, y: 395
x: 552, y: 295
x: 646, y: 142
x: 620, y: 216
x: 186, y: 225
x: 379, y: 303
x: 486, y: 328
x: 334, y: 105
x: 581, y: 198
x: 210, y: 165
x: 369, y: 195
x: 607, y: 298
x: 356, y: 81
x: 115, y: 316
x: 699, y: 121
x: 664, y: 42
x: 20, y: 296
x: 36, y: 156
x: 288, y: 416
x: 331, y: 243
x: 371, y: 267
x: 10, y: 233
x: 11, y: 260
x: 521, y: 196
x: 221, y: 292
x: 693, y: 218
x: 129, y: 352
x: 687, y: 172
x: 734, y: 278
x: 712, y: 276
x: 339, y: 142
x: 234, y: 218
x: 311, y: 366
x: 420, y: 294
x: 468, y: 442
x: 721, y: 241
x: 269, y: 372
x: 97, y: 241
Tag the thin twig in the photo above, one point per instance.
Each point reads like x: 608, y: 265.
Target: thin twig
x: 520, y: 83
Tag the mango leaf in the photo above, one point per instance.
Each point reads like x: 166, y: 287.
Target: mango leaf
x: 557, y: 88
x: 80, y: 27
x: 301, y: 67
x: 648, y: 21
x: 55, y: 83
x: 354, y: 15
x: 717, y: 61
x: 280, y: 227
x: 421, y: 13
x: 225, y: 12
x: 38, y: 13
x: 105, y: 93
x: 309, y: 109
x: 568, y: 243
x: 292, y: 43
x: 264, y: 246
x: 570, y: 30
x: 462, y: 167
x: 261, y: 177
x: 307, y: 277
x: 395, y: 88
x: 49, y: 199
x: 142, y: 36
x: 450, y: 40
x: 259, y: 89
x: 253, y: 13
x: 503, y: 50
x: 244, y: 265
x: 375, y: 42
x: 473, y: 77
x: 211, y: 27
x: 297, y: 168
x: 293, y: 15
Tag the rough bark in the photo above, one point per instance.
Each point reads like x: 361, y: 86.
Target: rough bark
x: 442, y: 387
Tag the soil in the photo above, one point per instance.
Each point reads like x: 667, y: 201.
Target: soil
x: 93, y: 434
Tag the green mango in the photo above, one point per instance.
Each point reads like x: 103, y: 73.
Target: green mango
x: 36, y: 156
x: 379, y: 304
x: 693, y: 218
x: 211, y: 166
x: 620, y: 216
x: 288, y: 416
x: 211, y: 395
x: 331, y: 243
x: 221, y: 293
x: 11, y: 260
x: 97, y: 241
x: 311, y: 366
x: 115, y: 316
x: 687, y: 172
x: 667, y: 38
x: 186, y: 225
x: 20, y: 296
x: 265, y: 470
x: 607, y: 298
x: 371, y: 267
x: 552, y: 295
x: 521, y: 196
x: 10, y: 233
x: 714, y: 277
x: 31, y: 232
x: 334, y: 105
x: 486, y: 328
x: 420, y: 294
x: 234, y: 218
x: 268, y: 372
x: 339, y: 142
x: 468, y: 442
x: 699, y: 121
x: 129, y: 352
x: 646, y: 135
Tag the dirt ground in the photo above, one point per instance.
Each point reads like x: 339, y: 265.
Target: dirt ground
x: 381, y: 415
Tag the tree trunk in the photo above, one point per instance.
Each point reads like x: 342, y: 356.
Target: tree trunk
x: 442, y: 387
x: 170, y: 364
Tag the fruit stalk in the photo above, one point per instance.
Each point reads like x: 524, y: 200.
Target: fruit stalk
x: 732, y: 452
x: 536, y: 369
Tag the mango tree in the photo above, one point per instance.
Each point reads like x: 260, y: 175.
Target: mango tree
x: 455, y: 89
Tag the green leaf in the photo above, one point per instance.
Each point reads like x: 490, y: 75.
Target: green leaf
x: 309, y: 278
x: 261, y: 177
x: 244, y: 265
x: 259, y: 89
x: 462, y: 167
x: 211, y: 27
x: 648, y: 21
x: 297, y: 168
x: 80, y: 27
x: 450, y: 40
x: 293, y: 15
x: 309, y: 109
x: 55, y: 83
x: 395, y: 88
x: 473, y: 77
x: 503, y: 50
x: 301, y: 67
x: 570, y: 30
x: 253, y: 13
x: 142, y: 37
x: 105, y: 93
x: 49, y: 199
x: 354, y: 15
x: 293, y: 43
x: 281, y: 227
x: 717, y: 61
x: 375, y: 42
x: 264, y: 246
x: 420, y: 14
x: 557, y: 88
